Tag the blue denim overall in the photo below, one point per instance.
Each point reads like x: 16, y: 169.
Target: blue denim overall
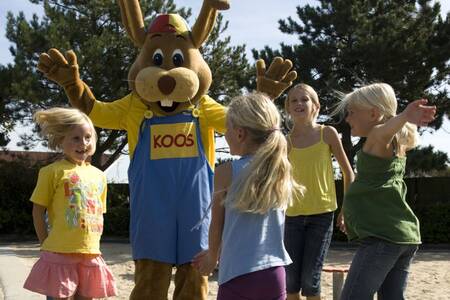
x: 169, y: 195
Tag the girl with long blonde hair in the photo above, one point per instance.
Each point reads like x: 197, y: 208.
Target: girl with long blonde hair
x: 251, y: 195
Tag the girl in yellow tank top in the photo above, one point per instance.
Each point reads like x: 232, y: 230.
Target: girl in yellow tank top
x: 309, y: 220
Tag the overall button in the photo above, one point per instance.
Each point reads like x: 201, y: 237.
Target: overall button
x: 148, y: 114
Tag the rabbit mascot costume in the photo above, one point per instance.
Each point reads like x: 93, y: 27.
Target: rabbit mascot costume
x: 170, y: 121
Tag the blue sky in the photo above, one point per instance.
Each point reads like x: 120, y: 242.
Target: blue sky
x: 252, y: 22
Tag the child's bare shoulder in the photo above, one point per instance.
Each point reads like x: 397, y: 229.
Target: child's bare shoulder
x: 223, y: 174
x: 376, y: 133
x: 330, y: 134
x: 223, y: 167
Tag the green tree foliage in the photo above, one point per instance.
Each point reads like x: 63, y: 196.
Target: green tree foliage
x: 424, y: 160
x: 229, y: 65
x: 17, y: 180
x: 345, y: 44
x: 93, y: 29
x: 6, y: 120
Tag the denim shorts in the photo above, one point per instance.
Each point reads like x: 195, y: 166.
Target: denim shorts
x: 379, y: 267
x: 307, y: 239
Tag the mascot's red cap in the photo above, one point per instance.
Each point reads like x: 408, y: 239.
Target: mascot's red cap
x: 169, y: 23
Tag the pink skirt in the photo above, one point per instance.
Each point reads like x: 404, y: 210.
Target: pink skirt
x: 62, y: 275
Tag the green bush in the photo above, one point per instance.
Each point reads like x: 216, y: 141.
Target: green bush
x: 428, y: 197
x: 117, y: 217
x: 17, y: 181
x: 434, y: 222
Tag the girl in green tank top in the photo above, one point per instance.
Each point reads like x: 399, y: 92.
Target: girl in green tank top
x: 375, y: 210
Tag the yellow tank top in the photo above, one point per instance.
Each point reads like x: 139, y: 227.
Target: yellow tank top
x: 312, y: 168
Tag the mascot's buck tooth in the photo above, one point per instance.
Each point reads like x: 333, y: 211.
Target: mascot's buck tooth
x: 170, y: 123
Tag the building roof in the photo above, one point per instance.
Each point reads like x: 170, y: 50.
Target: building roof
x: 33, y: 157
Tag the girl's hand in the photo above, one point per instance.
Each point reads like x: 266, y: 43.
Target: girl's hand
x: 204, y: 262
x: 340, y: 222
x: 418, y: 113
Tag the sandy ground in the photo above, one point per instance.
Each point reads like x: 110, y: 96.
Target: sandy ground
x: 429, y: 278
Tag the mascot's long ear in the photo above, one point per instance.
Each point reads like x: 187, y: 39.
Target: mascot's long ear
x: 205, y: 21
x: 130, y: 11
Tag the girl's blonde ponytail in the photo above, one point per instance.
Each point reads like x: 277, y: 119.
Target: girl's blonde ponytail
x: 267, y: 182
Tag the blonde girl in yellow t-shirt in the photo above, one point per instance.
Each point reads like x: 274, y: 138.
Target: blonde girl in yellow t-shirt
x: 309, y: 221
x: 73, y: 193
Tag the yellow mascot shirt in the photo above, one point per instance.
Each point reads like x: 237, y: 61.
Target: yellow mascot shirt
x: 75, y: 198
x: 127, y: 114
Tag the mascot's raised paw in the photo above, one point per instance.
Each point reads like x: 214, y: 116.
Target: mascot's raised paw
x: 219, y: 4
x: 64, y: 71
x: 59, y: 68
x: 276, y: 79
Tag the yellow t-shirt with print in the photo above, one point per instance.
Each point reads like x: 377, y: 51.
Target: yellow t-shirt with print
x: 127, y: 114
x: 75, y: 198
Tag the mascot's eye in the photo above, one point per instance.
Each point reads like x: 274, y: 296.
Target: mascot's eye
x: 177, y: 57
x: 158, y: 57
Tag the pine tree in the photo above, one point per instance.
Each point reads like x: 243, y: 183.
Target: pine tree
x: 424, y: 160
x: 345, y: 44
x: 229, y: 65
x: 93, y: 29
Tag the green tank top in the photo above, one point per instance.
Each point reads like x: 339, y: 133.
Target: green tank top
x: 375, y: 203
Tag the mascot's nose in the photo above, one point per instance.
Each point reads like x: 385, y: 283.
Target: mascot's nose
x: 166, y: 84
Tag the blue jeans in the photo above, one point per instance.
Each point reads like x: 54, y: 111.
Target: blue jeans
x: 378, y: 266
x: 307, y: 239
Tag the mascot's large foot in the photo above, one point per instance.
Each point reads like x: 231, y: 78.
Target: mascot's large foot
x: 190, y: 284
x: 219, y: 4
x: 152, y: 280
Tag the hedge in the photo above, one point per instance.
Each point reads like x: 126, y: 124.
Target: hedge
x: 428, y: 197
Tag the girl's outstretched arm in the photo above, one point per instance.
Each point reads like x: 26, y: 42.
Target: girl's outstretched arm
x: 39, y: 222
x: 206, y: 260
x: 331, y: 137
x: 416, y: 112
